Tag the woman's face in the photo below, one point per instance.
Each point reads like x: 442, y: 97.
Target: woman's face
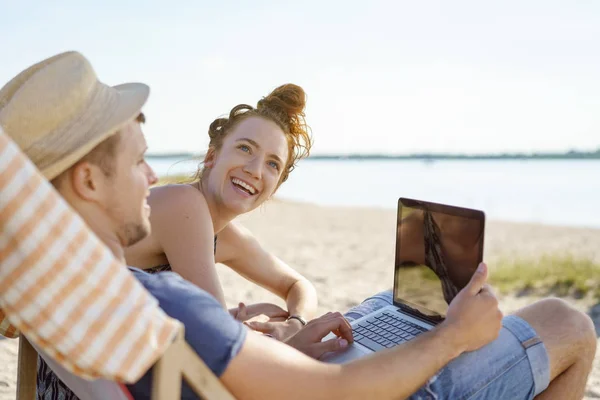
x: 246, y: 170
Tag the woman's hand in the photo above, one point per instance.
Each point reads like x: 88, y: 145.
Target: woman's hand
x: 261, y: 312
x: 281, y: 330
x: 242, y: 252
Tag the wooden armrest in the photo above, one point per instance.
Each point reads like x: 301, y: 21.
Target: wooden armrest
x: 180, y: 360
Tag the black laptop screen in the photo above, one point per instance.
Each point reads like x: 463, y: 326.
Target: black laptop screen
x: 438, y: 248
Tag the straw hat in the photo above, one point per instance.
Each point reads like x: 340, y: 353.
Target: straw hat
x: 57, y: 111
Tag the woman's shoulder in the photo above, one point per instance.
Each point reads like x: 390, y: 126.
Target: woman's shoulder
x: 171, y: 201
x: 179, y: 194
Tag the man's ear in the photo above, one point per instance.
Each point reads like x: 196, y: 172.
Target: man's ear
x: 209, y: 157
x: 87, y: 181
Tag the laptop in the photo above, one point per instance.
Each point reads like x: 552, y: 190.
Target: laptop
x: 438, y: 248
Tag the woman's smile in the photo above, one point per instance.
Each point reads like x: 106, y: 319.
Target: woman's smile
x: 243, y: 187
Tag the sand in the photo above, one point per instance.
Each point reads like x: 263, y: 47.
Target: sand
x: 348, y: 253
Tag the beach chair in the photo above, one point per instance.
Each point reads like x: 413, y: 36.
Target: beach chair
x: 179, y: 362
x: 33, y: 240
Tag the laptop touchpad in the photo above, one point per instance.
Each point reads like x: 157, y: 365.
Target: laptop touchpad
x: 342, y: 357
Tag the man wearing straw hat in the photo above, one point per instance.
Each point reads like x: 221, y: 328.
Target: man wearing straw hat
x: 79, y: 132
x: 85, y: 137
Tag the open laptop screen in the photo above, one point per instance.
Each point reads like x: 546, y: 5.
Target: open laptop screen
x: 438, y: 248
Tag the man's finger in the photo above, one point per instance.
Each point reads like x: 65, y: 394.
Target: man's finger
x: 339, y: 325
x: 477, y: 280
x: 318, y: 349
x: 330, y: 315
x: 324, y: 317
x: 487, y: 288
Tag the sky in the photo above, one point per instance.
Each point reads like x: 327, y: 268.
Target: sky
x: 391, y: 77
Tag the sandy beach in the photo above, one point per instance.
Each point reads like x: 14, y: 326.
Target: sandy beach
x: 348, y: 253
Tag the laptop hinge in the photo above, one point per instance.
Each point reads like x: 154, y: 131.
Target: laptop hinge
x: 416, y: 315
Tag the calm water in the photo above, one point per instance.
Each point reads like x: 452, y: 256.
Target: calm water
x: 551, y: 192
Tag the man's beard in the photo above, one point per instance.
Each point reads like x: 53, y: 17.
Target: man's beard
x: 133, y: 233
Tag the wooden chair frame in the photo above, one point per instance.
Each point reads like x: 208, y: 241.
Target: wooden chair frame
x: 178, y: 362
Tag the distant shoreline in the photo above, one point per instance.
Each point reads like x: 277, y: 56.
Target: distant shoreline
x: 572, y: 155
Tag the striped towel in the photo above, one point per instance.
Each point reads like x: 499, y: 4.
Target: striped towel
x: 63, y: 289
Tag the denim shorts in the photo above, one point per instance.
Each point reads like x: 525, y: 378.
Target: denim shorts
x: 514, y: 366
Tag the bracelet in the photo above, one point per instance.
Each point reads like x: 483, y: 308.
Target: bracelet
x: 297, y: 317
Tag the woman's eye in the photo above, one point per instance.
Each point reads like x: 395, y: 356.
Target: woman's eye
x: 244, y: 148
x: 273, y: 164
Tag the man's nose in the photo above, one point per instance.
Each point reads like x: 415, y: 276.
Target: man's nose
x: 152, y: 178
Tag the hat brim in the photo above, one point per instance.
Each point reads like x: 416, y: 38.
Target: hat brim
x: 112, y: 108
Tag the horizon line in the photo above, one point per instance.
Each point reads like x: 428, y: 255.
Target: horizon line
x: 505, y: 154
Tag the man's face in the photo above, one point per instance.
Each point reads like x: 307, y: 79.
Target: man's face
x: 125, y: 190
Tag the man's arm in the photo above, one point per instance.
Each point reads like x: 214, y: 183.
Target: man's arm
x: 265, y: 368
x: 274, y: 370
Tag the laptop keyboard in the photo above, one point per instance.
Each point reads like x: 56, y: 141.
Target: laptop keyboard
x: 385, y: 330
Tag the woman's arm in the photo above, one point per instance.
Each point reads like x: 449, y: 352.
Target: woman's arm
x: 182, y: 224
x: 241, y: 251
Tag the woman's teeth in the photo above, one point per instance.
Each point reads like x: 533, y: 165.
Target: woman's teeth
x: 243, y: 185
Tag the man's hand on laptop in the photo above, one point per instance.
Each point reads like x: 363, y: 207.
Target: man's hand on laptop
x: 308, y: 339
x: 474, y: 313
